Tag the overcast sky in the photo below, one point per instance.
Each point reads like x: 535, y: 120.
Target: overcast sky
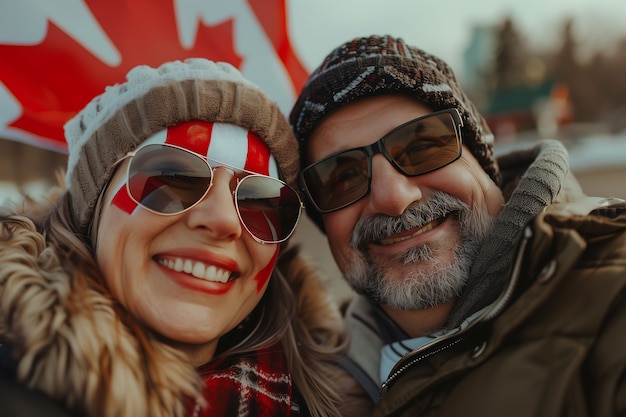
x: 444, y: 27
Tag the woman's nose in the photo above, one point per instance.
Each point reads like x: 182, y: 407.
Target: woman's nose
x: 216, y: 213
x: 391, y: 191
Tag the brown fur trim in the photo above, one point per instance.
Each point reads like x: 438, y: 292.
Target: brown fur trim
x: 314, y: 304
x: 316, y: 337
x: 72, y: 342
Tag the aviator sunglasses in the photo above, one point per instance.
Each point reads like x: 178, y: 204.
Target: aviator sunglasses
x: 414, y: 148
x: 168, y: 180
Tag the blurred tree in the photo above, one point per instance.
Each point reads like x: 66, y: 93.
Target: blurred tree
x: 565, y: 61
x: 511, y: 55
x: 605, y: 88
x: 597, y: 86
x: 565, y: 67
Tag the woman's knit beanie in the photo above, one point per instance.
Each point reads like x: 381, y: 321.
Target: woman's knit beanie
x: 151, y: 100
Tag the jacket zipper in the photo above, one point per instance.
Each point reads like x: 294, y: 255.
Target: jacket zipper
x: 412, y: 358
x: 409, y: 361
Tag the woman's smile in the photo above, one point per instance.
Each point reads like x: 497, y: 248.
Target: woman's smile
x: 198, y: 269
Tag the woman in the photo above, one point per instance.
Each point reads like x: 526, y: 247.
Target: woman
x: 157, y: 283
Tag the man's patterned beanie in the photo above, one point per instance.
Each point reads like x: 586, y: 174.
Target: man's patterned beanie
x: 365, y: 67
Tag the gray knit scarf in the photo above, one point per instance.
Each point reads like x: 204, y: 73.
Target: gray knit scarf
x: 537, y: 189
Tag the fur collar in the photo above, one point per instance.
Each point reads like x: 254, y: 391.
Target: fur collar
x: 71, y: 341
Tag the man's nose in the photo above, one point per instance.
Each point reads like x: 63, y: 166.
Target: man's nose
x: 391, y: 191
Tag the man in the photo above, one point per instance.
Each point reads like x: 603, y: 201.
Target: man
x: 485, y: 287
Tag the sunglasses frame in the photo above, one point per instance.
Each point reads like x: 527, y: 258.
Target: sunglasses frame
x: 206, y: 160
x: 379, y: 147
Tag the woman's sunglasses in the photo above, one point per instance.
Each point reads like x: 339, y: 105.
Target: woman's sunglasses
x: 414, y: 148
x: 169, y: 180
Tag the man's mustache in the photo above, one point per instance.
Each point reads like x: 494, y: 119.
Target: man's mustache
x: 379, y: 226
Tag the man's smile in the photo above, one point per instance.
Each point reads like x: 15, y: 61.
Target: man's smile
x: 409, y: 234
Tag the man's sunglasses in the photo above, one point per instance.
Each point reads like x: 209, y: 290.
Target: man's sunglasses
x: 414, y: 148
x: 169, y: 180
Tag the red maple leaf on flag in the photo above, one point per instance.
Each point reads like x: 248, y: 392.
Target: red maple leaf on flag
x: 56, y: 78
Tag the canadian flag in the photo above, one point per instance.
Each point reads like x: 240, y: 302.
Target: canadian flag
x: 57, y: 55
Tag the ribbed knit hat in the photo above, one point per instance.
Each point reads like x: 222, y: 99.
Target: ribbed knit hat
x: 365, y: 67
x: 152, y: 99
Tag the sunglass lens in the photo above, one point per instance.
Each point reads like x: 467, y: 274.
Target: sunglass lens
x: 339, y: 180
x: 269, y: 209
x: 425, y: 144
x: 167, y: 180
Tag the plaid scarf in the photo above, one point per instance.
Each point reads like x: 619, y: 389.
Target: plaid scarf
x: 257, y: 384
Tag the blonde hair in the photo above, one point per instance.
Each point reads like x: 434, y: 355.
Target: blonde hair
x: 295, y: 310
x: 315, y: 335
x: 56, y: 313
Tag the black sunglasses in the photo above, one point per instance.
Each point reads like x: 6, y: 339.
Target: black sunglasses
x: 414, y: 148
x: 168, y: 180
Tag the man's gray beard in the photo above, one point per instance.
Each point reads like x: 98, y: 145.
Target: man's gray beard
x: 431, y: 282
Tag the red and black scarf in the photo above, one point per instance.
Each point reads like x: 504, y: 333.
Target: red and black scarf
x: 257, y: 384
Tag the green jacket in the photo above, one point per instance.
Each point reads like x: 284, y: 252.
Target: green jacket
x: 554, y: 344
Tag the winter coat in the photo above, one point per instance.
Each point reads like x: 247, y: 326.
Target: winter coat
x: 72, y: 351
x: 552, y: 344
x: 556, y: 345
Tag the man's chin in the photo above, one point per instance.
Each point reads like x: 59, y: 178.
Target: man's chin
x: 410, y: 289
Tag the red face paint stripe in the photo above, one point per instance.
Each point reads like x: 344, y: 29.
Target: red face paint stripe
x: 123, y: 201
x: 194, y: 135
x: 145, y: 187
x: 265, y: 273
x: 258, y: 156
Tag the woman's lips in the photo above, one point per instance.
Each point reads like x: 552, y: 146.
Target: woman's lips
x: 198, y: 269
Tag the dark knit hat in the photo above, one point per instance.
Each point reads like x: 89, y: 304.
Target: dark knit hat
x: 375, y: 65
x: 151, y: 100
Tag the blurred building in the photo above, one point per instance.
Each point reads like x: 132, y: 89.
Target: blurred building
x: 27, y: 169
x: 477, y: 59
x: 543, y: 109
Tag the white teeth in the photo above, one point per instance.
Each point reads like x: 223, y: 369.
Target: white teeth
x: 188, y: 266
x: 178, y: 265
x: 197, y: 269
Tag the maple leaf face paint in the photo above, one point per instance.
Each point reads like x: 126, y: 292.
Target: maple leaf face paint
x: 193, y: 276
